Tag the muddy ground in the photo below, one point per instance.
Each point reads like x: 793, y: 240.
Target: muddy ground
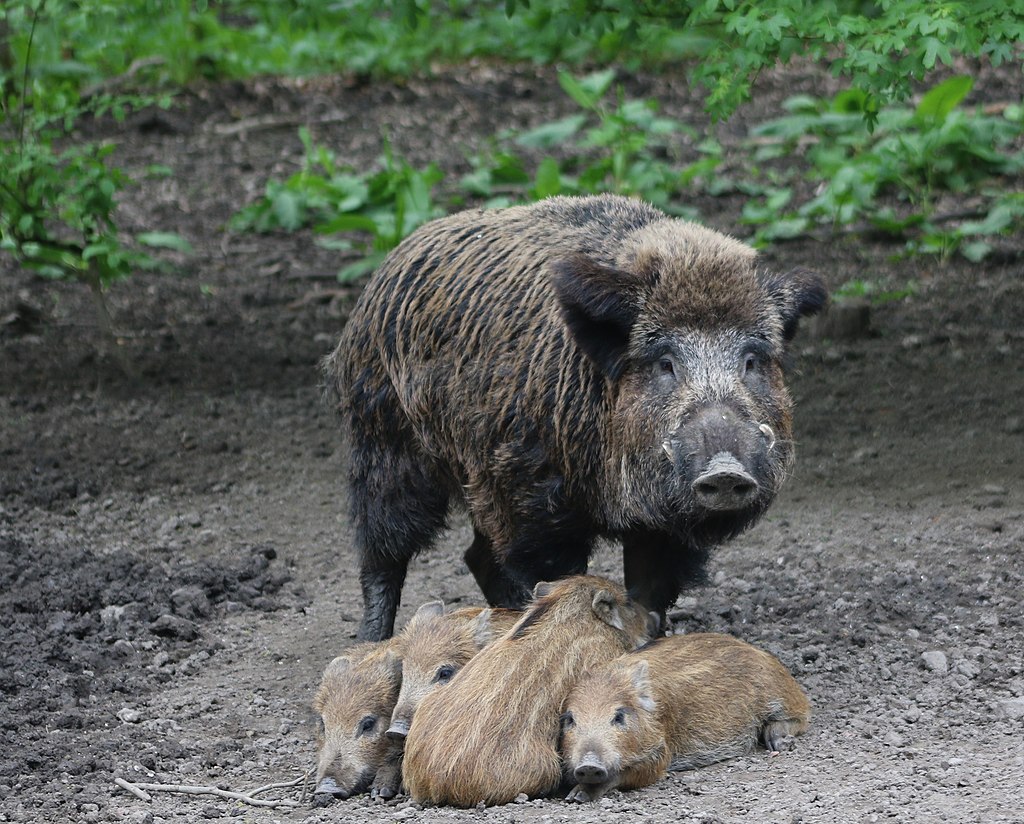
x: 175, y: 562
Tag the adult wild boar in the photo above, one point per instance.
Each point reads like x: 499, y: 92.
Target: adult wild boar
x: 572, y: 369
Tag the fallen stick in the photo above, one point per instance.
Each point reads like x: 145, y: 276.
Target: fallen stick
x: 280, y: 785
x: 126, y: 785
x: 191, y: 790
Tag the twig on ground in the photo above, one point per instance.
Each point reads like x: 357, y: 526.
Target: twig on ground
x: 280, y: 784
x: 267, y: 122
x: 191, y: 790
x: 126, y: 785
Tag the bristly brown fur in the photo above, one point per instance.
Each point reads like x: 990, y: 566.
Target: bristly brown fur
x: 507, y: 359
x: 691, y: 700
x: 362, y: 682
x: 492, y: 733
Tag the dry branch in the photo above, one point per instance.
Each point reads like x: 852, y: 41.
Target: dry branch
x: 138, y: 789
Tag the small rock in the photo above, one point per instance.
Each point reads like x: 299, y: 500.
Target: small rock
x: 1012, y: 708
x: 190, y: 602
x: 174, y: 626
x: 911, y: 714
x: 129, y: 716
x: 967, y: 668
x: 893, y: 739
x: 522, y: 798
x: 935, y: 661
x: 402, y: 815
x: 123, y: 647
x: 323, y: 799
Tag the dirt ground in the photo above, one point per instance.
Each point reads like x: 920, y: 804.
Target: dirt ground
x: 175, y: 562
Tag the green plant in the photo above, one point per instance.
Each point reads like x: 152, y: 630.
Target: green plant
x: 882, y: 47
x: 57, y: 198
x: 892, y: 176
x: 332, y: 198
x: 873, y: 291
x: 610, y: 148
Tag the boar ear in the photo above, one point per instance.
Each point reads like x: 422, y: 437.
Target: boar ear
x: 599, y: 308
x: 639, y: 676
x: 431, y: 609
x: 797, y: 293
x: 482, y: 629
x: 606, y: 607
x: 542, y: 589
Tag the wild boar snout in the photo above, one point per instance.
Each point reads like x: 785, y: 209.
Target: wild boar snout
x: 719, y: 454
x: 590, y: 770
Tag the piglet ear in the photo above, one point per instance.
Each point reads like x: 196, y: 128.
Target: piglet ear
x: 431, y: 609
x: 542, y: 589
x: 606, y: 607
x: 482, y: 629
x: 599, y: 307
x: 797, y: 293
x: 639, y: 676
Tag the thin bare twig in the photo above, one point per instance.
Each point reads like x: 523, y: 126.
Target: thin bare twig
x: 194, y: 790
x: 265, y: 122
x: 136, y: 66
x: 278, y: 785
x: 127, y: 785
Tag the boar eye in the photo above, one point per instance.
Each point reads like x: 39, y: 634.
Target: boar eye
x: 664, y: 370
x: 567, y: 720
x: 444, y: 674
x: 620, y: 717
x: 367, y: 725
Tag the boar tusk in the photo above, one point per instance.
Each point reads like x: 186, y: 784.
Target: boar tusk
x: 769, y: 434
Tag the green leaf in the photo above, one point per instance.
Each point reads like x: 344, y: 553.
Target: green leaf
x: 347, y: 223
x: 940, y: 100
x: 587, y: 91
x: 549, y: 179
x: 165, y: 240
x: 288, y: 211
x: 551, y: 134
x: 975, y: 251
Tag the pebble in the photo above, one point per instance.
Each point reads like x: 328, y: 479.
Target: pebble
x: 1012, y: 708
x: 129, y: 716
x: 935, y: 661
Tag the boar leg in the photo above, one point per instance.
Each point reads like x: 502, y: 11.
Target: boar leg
x: 657, y: 567
x: 498, y: 588
x: 399, y: 507
x: 544, y: 552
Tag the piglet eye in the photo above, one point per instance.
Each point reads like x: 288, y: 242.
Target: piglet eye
x: 367, y: 724
x: 620, y: 718
x: 444, y: 674
x: 567, y: 720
